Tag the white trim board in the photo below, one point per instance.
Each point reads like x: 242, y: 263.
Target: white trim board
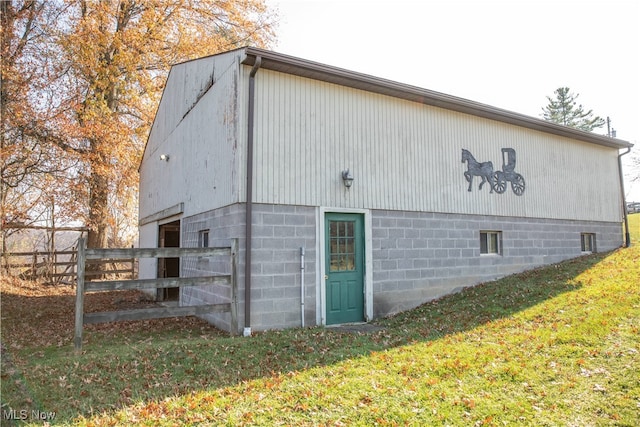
x: 321, y: 318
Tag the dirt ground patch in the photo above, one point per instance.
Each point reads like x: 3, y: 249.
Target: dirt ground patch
x: 36, y: 314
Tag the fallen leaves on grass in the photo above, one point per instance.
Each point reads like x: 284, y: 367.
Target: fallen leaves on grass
x: 552, y: 346
x: 41, y: 315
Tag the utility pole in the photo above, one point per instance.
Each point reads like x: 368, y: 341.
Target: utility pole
x: 611, y: 132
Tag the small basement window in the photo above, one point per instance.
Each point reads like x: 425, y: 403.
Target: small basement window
x: 203, y: 238
x: 491, y: 242
x: 587, y: 242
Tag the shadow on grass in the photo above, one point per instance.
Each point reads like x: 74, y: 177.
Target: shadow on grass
x: 140, y: 362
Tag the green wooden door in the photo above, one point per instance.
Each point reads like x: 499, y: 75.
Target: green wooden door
x: 344, y: 247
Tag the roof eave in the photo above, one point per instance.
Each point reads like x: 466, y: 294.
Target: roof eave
x: 317, y: 71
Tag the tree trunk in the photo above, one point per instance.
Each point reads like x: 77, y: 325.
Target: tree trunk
x: 98, y: 211
x: 98, y: 221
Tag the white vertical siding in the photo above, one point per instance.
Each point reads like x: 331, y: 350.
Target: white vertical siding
x: 407, y: 156
x: 197, y: 126
x: 185, y: 83
x: 148, y: 238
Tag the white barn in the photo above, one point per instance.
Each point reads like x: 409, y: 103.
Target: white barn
x: 363, y: 194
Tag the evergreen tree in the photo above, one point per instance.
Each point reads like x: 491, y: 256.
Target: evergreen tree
x: 564, y: 110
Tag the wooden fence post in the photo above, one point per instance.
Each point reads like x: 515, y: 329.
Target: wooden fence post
x: 34, y: 267
x: 234, y: 288
x: 77, y: 339
x: 54, y: 267
x: 82, y: 254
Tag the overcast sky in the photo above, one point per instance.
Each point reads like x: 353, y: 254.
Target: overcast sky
x: 510, y: 54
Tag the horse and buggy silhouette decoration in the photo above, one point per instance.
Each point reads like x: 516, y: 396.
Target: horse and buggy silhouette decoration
x: 497, y: 179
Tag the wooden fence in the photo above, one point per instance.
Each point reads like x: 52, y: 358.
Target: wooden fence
x: 59, y: 267
x: 84, y: 255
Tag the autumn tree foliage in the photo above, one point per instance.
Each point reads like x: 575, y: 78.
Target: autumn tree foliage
x: 28, y: 165
x: 105, y: 64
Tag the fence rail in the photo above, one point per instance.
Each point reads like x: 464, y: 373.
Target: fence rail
x: 60, y: 266
x: 87, y: 255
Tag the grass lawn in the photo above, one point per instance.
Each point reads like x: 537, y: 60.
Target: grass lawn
x: 558, y: 345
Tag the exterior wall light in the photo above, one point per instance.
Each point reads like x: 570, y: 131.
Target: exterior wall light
x: 164, y: 157
x: 347, y: 178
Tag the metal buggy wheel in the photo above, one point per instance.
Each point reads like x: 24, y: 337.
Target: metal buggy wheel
x: 500, y: 184
x: 518, y: 185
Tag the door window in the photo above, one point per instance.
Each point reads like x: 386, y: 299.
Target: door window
x: 342, y: 253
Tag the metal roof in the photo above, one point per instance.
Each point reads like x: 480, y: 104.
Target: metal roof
x: 317, y: 71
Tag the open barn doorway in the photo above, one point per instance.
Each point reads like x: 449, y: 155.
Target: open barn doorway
x: 169, y: 237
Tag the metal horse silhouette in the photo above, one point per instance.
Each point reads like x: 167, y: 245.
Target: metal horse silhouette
x: 475, y: 168
x: 497, y: 180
